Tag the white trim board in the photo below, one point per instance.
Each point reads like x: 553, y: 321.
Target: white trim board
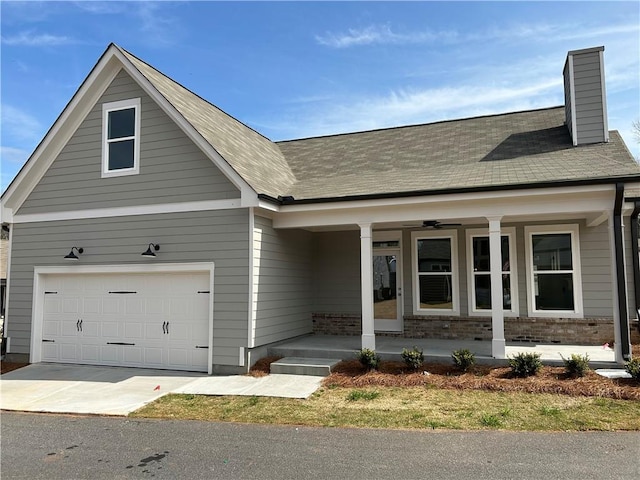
x: 37, y: 311
x: 161, y: 208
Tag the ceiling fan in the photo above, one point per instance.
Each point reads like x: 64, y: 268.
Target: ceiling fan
x: 437, y: 224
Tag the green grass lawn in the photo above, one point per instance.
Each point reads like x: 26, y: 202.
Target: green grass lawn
x: 409, y: 408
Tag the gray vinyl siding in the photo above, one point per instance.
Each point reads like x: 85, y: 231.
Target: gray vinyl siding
x: 172, y: 167
x: 336, y: 272
x: 219, y: 236
x: 282, y: 282
x: 596, y: 261
x: 588, y: 98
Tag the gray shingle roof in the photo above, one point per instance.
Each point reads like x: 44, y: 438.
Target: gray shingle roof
x: 254, y: 157
x: 499, y: 150
x: 507, y: 149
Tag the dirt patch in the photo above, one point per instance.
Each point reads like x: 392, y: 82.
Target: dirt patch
x: 497, y: 379
x: 9, y: 366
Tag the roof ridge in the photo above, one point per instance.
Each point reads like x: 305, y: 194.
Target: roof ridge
x: 398, y: 127
x: 192, y: 92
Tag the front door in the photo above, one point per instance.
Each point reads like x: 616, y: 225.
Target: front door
x: 387, y: 290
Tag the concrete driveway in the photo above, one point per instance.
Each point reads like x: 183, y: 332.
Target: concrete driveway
x: 86, y: 389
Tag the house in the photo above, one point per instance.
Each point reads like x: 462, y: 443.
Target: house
x: 149, y: 228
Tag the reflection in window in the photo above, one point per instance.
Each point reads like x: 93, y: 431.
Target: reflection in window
x: 435, y: 281
x: 482, y: 273
x: 553, y: 271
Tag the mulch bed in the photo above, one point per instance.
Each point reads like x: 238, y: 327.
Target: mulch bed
x: 554, y: 380
x: 9, y: 366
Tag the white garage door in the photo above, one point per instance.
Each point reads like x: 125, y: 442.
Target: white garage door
x: 136, y: 320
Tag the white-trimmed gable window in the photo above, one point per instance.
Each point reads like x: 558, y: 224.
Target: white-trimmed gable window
x: 434, y: 261
x: 553, y: 271
x: 479, y: 271
x: 121, y: 138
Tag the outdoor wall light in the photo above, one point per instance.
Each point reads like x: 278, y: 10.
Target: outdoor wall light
x: 73, y: 256
x: 150, y: 251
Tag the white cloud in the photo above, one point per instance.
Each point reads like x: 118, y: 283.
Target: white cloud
x: 19, y: 125
x: 414, y: 106
x: 13, y: 155
x: 380, y: 34
x: 384, y: 34
x: 31, y: 39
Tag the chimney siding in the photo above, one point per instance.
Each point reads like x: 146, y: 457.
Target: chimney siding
x: 585, y: 101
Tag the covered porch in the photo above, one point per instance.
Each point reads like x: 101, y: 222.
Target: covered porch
x: 498, y: 264
x: 344, y: 347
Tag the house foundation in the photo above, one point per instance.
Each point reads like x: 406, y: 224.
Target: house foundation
x: 563, y: 331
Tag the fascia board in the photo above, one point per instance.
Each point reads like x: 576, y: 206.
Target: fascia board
x: 455, y: 197
x: 248, y: 194
x: 561, y: 201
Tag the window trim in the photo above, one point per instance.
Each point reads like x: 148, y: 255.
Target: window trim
x: 574, y: 231
x: 455, y: 280
x: 112, y: 107
x: 509, y: 232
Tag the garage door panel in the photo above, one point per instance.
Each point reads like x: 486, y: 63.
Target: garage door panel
x: 161, y: 313
x: 154, y: 306
x: 92, y: 305
x: 70, y: 305
x: 110, y: 354
x: 132, y: 355
x: 133, y: 305
x: 90, y: 329
x: 111, y: 330
x: 68, y: 352
x: 52, y: 304
x: 69, y: 328
x: 90, y: 353
x: 111, y: 306
x: 153, y: 356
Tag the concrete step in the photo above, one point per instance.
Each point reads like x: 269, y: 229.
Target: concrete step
x: 304, y: 366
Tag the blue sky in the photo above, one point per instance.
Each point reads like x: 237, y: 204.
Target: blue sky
x: 293, y: 70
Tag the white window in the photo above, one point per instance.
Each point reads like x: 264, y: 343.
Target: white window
x: 121, y: 138
x: 554, y: 280
x: 435, y: 273
x: 479, y: 271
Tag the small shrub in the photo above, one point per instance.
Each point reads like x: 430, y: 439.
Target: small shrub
x: 525, y: 364
x: 413, y: 358
x: 633, y: 368
x: 463, y: 359
x: 356, y: 395
x: 368, y: 358
x: 576, y: 364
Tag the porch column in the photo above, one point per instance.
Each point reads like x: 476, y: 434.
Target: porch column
x: 497, y: 311
x: 366, y: 278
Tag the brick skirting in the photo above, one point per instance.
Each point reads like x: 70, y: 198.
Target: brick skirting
x: 568, y: 331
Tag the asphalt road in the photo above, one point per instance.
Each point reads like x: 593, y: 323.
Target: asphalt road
x: 63, y: 447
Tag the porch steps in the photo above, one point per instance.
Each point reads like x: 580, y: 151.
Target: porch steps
x: 320, y: 367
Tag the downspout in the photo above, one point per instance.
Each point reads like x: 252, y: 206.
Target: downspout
x: 635, y: 255
x: 625, y: 349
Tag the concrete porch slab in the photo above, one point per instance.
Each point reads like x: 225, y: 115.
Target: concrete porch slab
x: 435, y: 350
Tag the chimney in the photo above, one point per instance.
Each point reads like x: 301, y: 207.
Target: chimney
x: 585, y: 102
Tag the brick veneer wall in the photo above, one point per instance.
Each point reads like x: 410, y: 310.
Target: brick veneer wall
x: 580, y: 331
